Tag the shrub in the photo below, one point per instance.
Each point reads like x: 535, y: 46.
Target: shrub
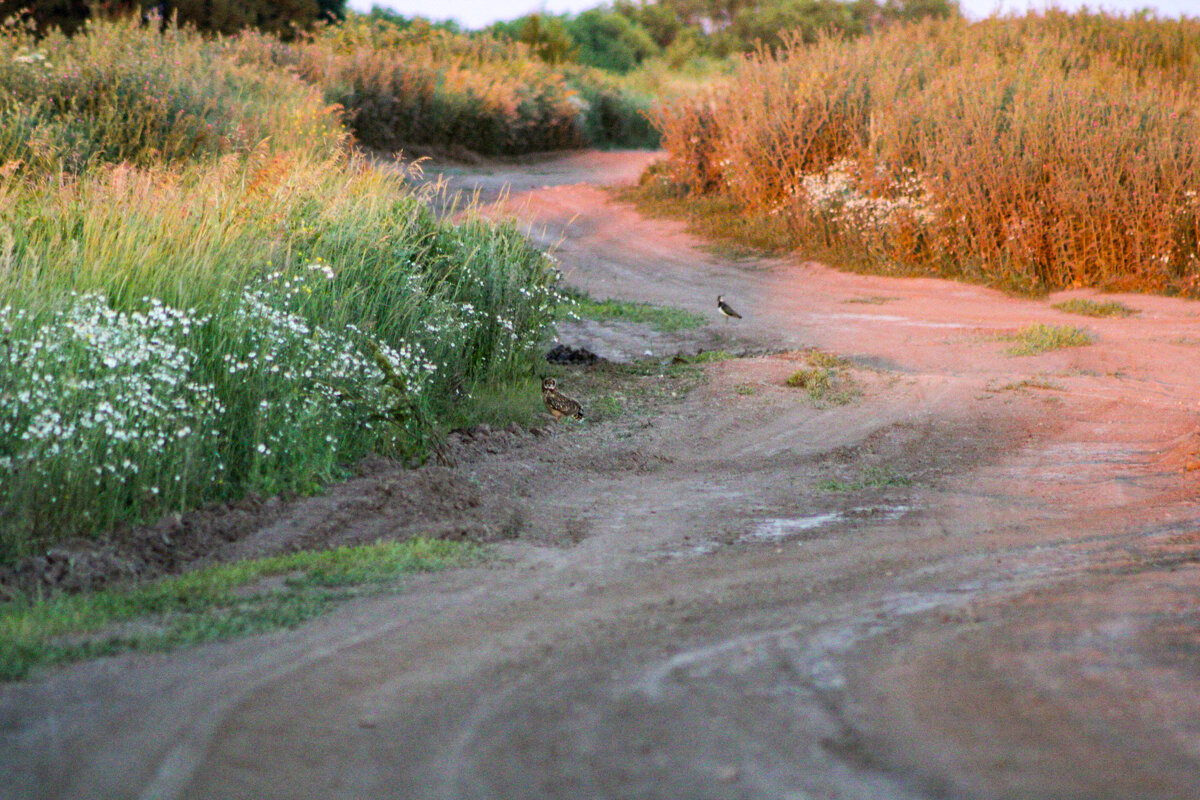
x: 125, y: 94
x: 610, y: 41
x: 420, y: 86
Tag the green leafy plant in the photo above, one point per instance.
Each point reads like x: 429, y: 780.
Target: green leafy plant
x: 1039, y: 338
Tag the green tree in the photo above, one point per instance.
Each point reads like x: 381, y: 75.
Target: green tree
x: 546, y: 36
x: 809, y: 18
x: 660, y: 20
x: 610, y: 41
x: 910, y: 10
x: 397, y: 20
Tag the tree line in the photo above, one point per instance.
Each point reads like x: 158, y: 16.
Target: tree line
x: 620, y: 36
x: 616, y: 37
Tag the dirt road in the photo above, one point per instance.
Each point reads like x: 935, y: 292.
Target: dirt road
x: 979, y: 579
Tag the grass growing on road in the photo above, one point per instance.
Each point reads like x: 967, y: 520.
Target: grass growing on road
x: 1092, y: 308
x: 1039, y: 338
x: 210, y: 604
x: 871, y: 478
x: 824, y: 379
x: 663, y: 318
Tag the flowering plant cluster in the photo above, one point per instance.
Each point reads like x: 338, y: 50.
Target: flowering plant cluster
x: 838, y: 194
x: 107, y: 413
x: 96, y: 402
x: 307, y: 391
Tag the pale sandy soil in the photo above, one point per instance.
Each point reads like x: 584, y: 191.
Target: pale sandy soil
x: 687, y: 612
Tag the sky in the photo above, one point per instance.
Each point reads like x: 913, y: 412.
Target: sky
x: 477, y: 13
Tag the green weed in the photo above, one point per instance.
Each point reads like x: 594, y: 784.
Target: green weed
x: 703, y: 357
x: 825, y: 385
x: 870, y: 478
x: 211, y: 604
x: 1092, y: 308
x: 825, y: 359
x: 663, y: 318
x: 516, y: 400
x: 1039, y: 338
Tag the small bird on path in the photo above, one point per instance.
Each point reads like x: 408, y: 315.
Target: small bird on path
x: 558, y: 403
x: 724, y: 308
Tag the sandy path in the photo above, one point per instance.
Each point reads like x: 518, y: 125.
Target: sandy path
x: 690, y: 614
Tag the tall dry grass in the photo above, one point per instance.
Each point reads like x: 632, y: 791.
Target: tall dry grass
x: 1033, y: 153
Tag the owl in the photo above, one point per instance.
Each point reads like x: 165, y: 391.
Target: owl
x: 558, y: 403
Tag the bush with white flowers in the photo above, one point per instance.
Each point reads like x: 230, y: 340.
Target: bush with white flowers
x: 307, y: 394
x: 100, y: 410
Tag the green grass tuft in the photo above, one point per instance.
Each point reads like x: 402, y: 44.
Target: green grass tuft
x: 825, y: 381
x: 1092, y: 308
x: 1039, y: 338
x: 814, y: 379
x: 871, y: 478
x: 663, y: 318
x: 517, y: 400
x: 704, y: 357
x: 211, y: 604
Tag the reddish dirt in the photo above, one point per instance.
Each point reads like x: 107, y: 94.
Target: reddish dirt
x: 724, y: 598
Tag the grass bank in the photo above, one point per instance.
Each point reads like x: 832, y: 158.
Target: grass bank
x: 212, y: 604
x: 203, y: 293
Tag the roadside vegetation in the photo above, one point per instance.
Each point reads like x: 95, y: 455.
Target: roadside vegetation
x: 210, y: 604
x: 627, y: 34
x: 1032, y: 153
x: 204, y: 293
